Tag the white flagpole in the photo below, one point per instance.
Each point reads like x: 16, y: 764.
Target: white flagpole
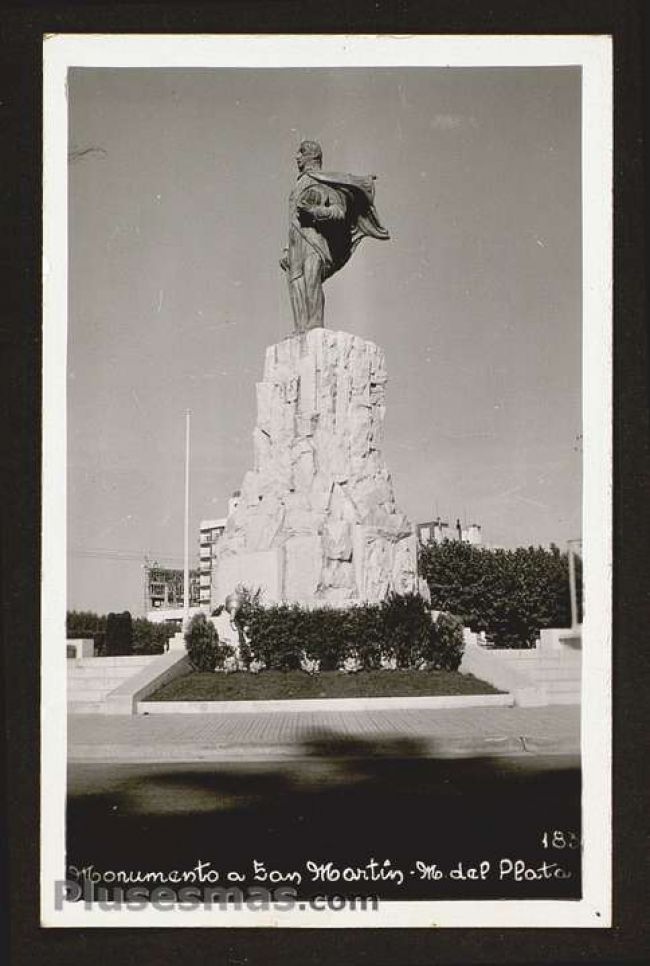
x: 186, y: 567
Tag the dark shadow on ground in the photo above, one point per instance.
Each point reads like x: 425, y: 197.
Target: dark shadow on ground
x: 347, y: 801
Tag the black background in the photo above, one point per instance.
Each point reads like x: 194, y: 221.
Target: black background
x: 21, y: 28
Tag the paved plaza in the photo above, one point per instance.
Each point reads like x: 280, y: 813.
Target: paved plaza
x: 264, y: 736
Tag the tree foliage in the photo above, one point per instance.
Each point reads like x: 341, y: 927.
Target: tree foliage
x: 150, y: 638
x: 84, y: 623
x: 87, y: 624
x: 509, y: 594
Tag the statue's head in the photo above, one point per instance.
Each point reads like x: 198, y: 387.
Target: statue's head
x: 310, y: 155
x: 232, y: 604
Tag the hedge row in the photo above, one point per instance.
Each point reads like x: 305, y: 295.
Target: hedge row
x: 398, y: 633
x: 145, y: 636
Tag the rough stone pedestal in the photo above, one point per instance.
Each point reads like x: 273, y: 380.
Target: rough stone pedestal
x: 317, y: 522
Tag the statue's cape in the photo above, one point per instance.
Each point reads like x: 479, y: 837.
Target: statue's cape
x: 361, y: 193
x: 335, y: 241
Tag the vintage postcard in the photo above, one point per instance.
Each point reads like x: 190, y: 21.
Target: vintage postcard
x: 326, y: 481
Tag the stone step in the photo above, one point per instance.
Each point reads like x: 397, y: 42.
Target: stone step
x: 554, y: 673
x: 121, y: 669
x: 550, y: 657
x: 573, y: 667
x: 557, y: 686
x: 126, y: 660
x: 533, y: 667
x: 83, y: 673
x: 564, y: 697
x: 94, y: 684
x: 86, y: 707
x: 90, y: 680
x: 88, y: 694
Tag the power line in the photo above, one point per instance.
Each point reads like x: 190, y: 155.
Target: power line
x: 108, y: 554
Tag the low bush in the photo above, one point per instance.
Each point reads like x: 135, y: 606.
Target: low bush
x: 276, y: 639
x: 409, y: 633
x: 398, y: 633
x: 449, y: 642
x: 150, y: 638
x: 203, y: 647
x: 202, y: 641
x: 364, y: 636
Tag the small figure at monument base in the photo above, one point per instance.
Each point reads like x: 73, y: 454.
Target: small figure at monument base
x: 227, y: 626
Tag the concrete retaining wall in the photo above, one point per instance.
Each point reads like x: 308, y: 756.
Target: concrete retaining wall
x: 328, y: 704
x: 490, y: 667
x: 161, y: 670
x: 560, y: 638
x: 83, y: 647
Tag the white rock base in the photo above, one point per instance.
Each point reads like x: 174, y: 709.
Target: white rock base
x: 317, y: 522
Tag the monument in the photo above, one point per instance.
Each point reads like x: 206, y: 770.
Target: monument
x: 317, y: 522
x: 329, y: 214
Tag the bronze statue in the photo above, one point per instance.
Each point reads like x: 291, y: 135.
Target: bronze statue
x: 329, y: 214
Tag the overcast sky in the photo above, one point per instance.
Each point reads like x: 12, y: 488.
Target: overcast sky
x: 178, y: 188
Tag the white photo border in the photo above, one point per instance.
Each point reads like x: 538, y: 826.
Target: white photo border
x: 593, y: 54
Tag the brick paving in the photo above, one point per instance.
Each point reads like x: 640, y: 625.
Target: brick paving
x: 197, y: 737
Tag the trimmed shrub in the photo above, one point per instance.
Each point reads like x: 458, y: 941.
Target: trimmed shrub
x: 204, y: 650
x: 150, y: 638
x: 324, y: 635
x: 276, y: 637
x: 407, y: 630
x: 397, y: 633
x: 449, y: 644
x: 365, y: 635
x: 119, y: 634
x: 202, y: 643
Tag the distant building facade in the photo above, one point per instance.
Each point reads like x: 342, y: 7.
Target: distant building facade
x: 438, y: 530
x: 163, y: 592
x: 210, y: 532
x: 472, y: 535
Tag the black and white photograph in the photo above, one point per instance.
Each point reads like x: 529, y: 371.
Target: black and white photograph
x: 326, y: 481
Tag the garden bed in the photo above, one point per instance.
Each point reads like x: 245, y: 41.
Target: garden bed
x: 287, y: 685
